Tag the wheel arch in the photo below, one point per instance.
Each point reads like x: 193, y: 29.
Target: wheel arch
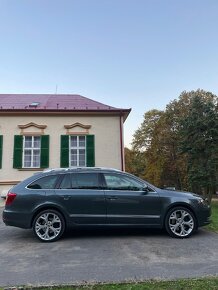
x: 48, y: 207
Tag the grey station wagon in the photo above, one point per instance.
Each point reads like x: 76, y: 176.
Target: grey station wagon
x: 53, y: 200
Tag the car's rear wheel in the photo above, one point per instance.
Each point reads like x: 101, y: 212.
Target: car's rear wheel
x: 180, y: 222
x: 49, y: 225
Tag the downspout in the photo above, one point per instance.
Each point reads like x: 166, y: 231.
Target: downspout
x: 121, y: 144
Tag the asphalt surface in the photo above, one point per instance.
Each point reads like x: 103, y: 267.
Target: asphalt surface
x: 100, y: 255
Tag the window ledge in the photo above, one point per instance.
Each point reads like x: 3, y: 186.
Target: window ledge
x: 31, y: 169
x: 9, y: 182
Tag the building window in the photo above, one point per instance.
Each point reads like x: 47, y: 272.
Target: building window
x: 31, y: 151
x: 78, y: 151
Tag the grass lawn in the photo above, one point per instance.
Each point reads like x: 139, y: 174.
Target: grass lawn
x: 184, y: 284
x: 214, y: 224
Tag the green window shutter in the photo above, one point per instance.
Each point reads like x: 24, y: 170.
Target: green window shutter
x: 1, y: 144
x: 90, y: 150
x: 44, y: 156
x: 18, y: 151
x: 64, y: 151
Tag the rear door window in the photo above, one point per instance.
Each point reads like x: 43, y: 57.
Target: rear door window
x: 80, y: 181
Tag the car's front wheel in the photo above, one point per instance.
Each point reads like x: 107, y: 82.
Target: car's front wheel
x: 180, y: 222
x: 49, y: 225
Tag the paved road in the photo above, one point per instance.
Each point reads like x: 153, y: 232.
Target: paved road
x: 104, y: 255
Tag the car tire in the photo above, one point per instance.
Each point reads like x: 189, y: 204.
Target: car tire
x: 49, y: 225
x: 180, y: 222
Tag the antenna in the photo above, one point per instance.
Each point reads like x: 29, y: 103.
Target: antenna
x: 56, y: 89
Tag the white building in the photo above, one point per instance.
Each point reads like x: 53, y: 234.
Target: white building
x: 41, y: 131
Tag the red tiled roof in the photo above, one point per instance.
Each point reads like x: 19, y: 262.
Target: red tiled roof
x: 55, y: 102
x: 49, y: 102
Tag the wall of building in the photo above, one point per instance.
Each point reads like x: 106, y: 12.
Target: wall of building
x: 105, y: 128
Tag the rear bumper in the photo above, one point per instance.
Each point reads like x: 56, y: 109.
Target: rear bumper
x: 17, y: 219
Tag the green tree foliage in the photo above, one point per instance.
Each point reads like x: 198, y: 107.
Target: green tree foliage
x: 179, y: 145
x: 135, y: 162
x: 143, y: 136
x: 199, y: 141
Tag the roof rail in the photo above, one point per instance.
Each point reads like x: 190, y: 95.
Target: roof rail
x: 53, y: 169
x: 104, y: 168
x: 78, y: 168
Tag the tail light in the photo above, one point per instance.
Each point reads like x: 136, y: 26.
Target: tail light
x: 10, y: 198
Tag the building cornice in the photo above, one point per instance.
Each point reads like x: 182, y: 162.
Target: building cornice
x: 14, y: 112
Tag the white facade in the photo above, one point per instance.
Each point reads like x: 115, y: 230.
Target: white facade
x: 106, y: 128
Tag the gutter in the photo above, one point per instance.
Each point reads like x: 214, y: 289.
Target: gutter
x: 121, y: 144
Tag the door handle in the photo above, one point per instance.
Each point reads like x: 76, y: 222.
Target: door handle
x: 112, y: 197
x: 66, y: 197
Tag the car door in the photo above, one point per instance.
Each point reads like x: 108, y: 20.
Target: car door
x: 128, y: 202
x: 83, y: 198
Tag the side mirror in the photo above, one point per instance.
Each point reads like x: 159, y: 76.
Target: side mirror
x: 145, y: 188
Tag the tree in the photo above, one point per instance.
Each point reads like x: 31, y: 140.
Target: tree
x: 135, y: 162
x: 157, y: 139
x: 143, y: 144
x: 172, y: 157
x: 143, y: 136
x: 199, y: 132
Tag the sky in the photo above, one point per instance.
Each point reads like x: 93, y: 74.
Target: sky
x: 138, y: 54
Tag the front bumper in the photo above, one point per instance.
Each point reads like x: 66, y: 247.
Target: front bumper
x: 204, y: 216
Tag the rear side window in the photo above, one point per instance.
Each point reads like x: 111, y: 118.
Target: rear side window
x: 80, y: 181
x: 47, y: 182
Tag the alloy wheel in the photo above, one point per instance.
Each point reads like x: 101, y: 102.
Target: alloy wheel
x: 48, y: 226
x: 181, y: 223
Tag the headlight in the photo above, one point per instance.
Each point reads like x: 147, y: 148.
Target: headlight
x: 202, y: 201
